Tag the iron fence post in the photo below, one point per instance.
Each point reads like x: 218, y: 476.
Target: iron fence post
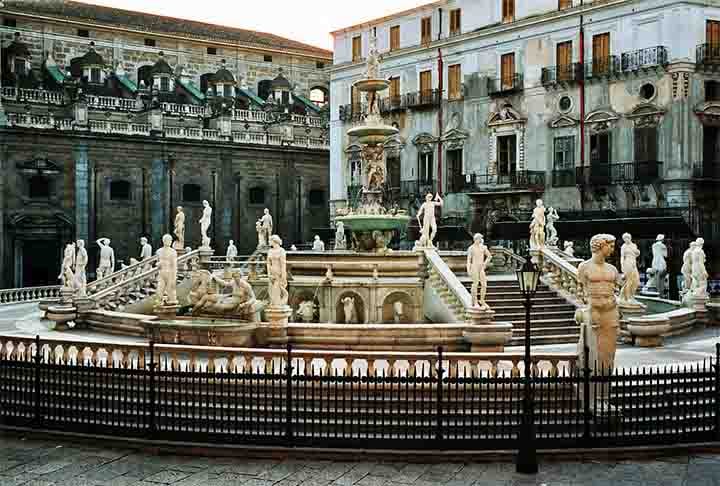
x: 586, y: 396
x: 288, y: 396
x: 717, y: 390
x: 438, y: 411
x: 37, y: 359
x: 152, y: 429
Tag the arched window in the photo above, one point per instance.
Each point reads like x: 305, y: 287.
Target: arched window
x: 191, y: 193
x: 318, y: 96
x: 205, y: 81
x: 119, y: 190
x: 316, y: 197
x: 39, y: 187
x: 264, y: 88
x: 257, y: 195
x: 144, y: 73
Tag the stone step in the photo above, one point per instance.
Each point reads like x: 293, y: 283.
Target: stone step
x: 545, y: 331
x: 516, y: 316
x: 497, y: 300
x: 540, y: 340
x: 520, y: 323
x: 520, y: 309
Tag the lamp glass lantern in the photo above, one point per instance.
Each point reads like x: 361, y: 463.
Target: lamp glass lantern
x: 528, y: 277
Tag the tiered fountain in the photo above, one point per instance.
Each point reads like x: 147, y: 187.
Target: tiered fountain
x: 372, y: 223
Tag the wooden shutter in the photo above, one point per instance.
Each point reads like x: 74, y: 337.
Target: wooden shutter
x: 507, y: 70
x: 394, y: 87
x: 454, y: 85
x: 455, y: 21
x: 601, y: 53
x: 425, y: 30
x: 563, y: 4
x: 425, y: 81
x: 508, y: 10
x: 564, y: 61
x: 357, y: 48
x: 712, y: 32
x: 394, y: 37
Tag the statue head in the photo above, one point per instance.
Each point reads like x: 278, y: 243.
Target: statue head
x: 317, y: 237
x: 478, y: 238
x: 266, y: 211
x: 231, y: 243
x: 167, y: 240
x: 539, y: 203
x: 660, y: 237
x: 143, y: 240
x: 179, y: 209
x: 205, y: 203
x: 603, y: 244
x: 80, y: 243
x: 275, y: 240
x: 627, y: 237
x: 428, y: 197
x: 699, y: 242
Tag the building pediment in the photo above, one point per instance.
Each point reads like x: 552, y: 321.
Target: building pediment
x: 424, y: 142
x: 708, y: 113
x: 506, y: 115
x: 394, y: 145
x: 455, y: 139
x: 563, y: 121
x: 601, y: 120
x: 39, y: 165
x: 55, y: 220
x: 646, y: 114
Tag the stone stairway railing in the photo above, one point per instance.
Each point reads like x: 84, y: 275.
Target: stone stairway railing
x: 121, y: 275
x: 561, y: 275
x: 136, y: 285
x: 447, y: 286
x: 254, y: 263
x: 29, y: 294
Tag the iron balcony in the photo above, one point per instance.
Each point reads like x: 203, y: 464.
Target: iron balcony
x: 650, y: 57
x: 607, y: 174
x: 423, y: 99
x: 521, y: 180
x: 562, y: 74
x: 505, y: 85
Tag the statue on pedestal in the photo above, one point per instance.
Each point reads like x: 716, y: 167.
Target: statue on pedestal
x: 659, y: 266
x: 67, y: 273
x: 179, y: 229
x: 349, y: 310
x: 232, y: 251
x: 552, y: 235
x: 277, y: 273
x: 699, y: 272
x: 478, y: 256
x: 318, y: 244
x: 398, y: 311
x: 81, y: 261
x: 687, y: 266
x: 629, y: 254
x: 205, y: 221
x: 537, y: 226
x: 206, y: 300
x: 426, y: 219
x: 145, y: 249
x: 167, y: 273
x: 340, y: 240
x: 107, y: 259
x: 266, y: 222
x: 569, y: 249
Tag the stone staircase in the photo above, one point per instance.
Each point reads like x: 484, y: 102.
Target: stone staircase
x: 552, y: 318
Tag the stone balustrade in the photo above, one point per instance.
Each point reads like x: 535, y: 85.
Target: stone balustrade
x: 561, y: 276
x: 450, y: 288
x: 110, y: 103
x: 121, y: 275
x: 21, y: 95
x: 29, y: 294
x: 182, y: 109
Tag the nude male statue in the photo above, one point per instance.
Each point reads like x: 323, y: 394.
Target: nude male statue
x: 426, y: 218
x: 167, y: 273
x: 478, y: 256
x: 107, y: 259
x: 179, y: 228
x: 81, y: 261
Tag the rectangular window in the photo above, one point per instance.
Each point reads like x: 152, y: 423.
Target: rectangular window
x: 600, y: 158
x: 601, y: 53
x: 507, y: 71
x: 646, y: 144
x: 227, y: 91
x: 356, y: 48
x: 455, y: 22
x: 564, y: 153
x: 9, y: 22
x: 83, y: 33
x: 506, y: 157
x: 426, y: 30
x: 319, y: 65
x: 150, y: 42
x: 426, y: 170
x: 95, y: 75
x: 165, y: 84
x: 508, y: 10
x: 395, y: 87
x: 394, y: 37
x: 19, y: 67
x: 456, y: 178
x: 267, y: 58
x: 454, y: 82
x: 712, y: 32
x: 563, y: 4
x: 425, y: 82
x: 212, y: 51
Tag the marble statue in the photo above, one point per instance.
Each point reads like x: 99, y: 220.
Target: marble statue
x: 398, y: 311
x: 629, y: 254
x: 232, y: 251
x: 537, y: 226
x: 478, y: 256
x: 372, y: 70
x: 601, y: 317
x: 293, y: 248
x: 267, y: 226
x: 340, y: 240
x: 67, y: 272
x: 179, y: 229
x: 107, y: 259
x: 426, y: 218
x: 374, y: 163
x: 686, y: 269
x: 552, y: 235
x: 167, y: 273
x: 318, y: 244
x: 241, y: 302
x: 145, y: 249
x: 277, y: 273
x: 205, y: 221
x: 349, y: 310
x: 262, y: 243
x: 699, y: 272
x: 306, y: 310
x: 81, y: 261
x: 659, y: 266
x: 569, y: 250
x: 329, y: 273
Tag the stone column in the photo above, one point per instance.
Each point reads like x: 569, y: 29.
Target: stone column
x: 82, y: 192
x: 158, y: 197
x: 484, y: 335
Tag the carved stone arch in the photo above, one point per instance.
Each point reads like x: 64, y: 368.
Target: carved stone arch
x: 424, y: 142
x: 408, y: 307
x: 708, y: 113
x: 360, y: 313
x: 394, y: 145
x: 563, y: 121
x: 455, y: 139
x: 601, y: 120
x: 505, y: 114
x: 646, y: 114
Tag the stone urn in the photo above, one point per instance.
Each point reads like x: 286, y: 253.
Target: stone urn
x: 647, y: 331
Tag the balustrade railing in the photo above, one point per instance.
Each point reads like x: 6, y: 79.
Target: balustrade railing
x: 505, y: 84
x: 11, y: 93
x: 110, y: 103
x: 561, y: 276
x: 182, y: 109
x: 29, y: 294
x: 708, y: 54
x: 122, y: 275
x: 644, y: 58
x: 562, y: 73
x: 603, y: 67
x: 487, y: 182
x: 601, y: 174
x: 423, y: 99
x: 450, y: 289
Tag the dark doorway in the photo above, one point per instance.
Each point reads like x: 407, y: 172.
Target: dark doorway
x: 456, y: 178
x: 40, y: 263
x: 600, y: 158
x: 506, y: 158
x: 393, y: 172
x: 711, y: 151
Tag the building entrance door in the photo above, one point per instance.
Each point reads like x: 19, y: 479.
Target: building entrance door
x: 40, y: 262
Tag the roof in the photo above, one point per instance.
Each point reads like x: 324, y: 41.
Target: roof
x: 128, y: 83
x: 249, y: 94
x: 380, y: 20
x: 55, y: 72
x: 162, y: 67
x: 223, y: 76
x: 91, y: 58
x: 281, y: 82
x: 191, y: 88
x: 140, y: 21
x: 308, y: 104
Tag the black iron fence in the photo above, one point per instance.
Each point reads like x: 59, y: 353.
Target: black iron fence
x: 352, y: 112
x: 564, y: 73
x: 707, y: 54
x: 418, y: 188
x: 602, y: 67
x: 603, y: 174
x: 524, y: 179
x: 437, y: 404
x: 423, y: 99
x: 391, y: 103
x: 563, y: 177
x: 644, y: 58
x: 505, y: 85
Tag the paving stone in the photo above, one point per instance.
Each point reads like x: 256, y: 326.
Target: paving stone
x: 410, y: 473
x: 168, y: 476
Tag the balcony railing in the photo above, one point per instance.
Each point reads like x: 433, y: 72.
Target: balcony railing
x: 563, y: 177
x: 505, y: 85
x: 644, y: 58
x: 352, y: 112
x: 526, y: 179
x: 423, y: 99
x: 708, y: 55
x: 417, y: 188
x: 606, y: 174
x: 707, y: 169
x: 563, y: 73
x: 603, y: 67
x: 391, y: 103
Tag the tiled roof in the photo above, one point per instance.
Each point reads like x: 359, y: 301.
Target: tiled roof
x: 113, y: 17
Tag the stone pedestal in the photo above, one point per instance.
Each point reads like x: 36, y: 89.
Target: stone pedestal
x: 713, y: 316
x: 62, y: 314
x: 647, y: 331
x: 627, y: 311
x: 67, y: 295
x: 166, y: 311
x: 84, y: 304
x: 484, y: 335
x: 205, y: 253
x: 276, y: 328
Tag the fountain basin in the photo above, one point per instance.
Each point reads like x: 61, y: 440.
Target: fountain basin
x: 201, y: 331
x: 372, y: 134
x: 371, y: 85
x: 364, y: 227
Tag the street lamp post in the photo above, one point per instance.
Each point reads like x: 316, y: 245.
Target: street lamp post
x: 528, y: 276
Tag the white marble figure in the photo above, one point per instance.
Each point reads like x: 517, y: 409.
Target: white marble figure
x: 67, y: 273
x: 262, y: 243
x: 349, y: 310
x: 340, y: 240
x: 267, y: 226
x: 569, y: 250
x: 232, y: 251
x: 306, y: 310
x: 478, y: 256
x: 537, y: 226
x: 699, y: 272
x: 426, y: 219
x: 318, y: 244
x: 205, y: 221
x: 398, y: 311
x: 329, y: 273
x: 373, y: 60
x: 145, y: 249
x: 179, y: 229
x: 659, y: 265
x: 552, y: 235
x: 81, y: 261
x: 277, y: 273
x: 629, y: 254
x: 167, y: 273
x: 107, y: 259
x: 293, y: 248
x: 687, y: 267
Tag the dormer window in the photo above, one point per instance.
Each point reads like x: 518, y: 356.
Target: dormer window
x: 20, y: 66
x: 95, y: 75
x: 164, y: 84
x: 227, y: 91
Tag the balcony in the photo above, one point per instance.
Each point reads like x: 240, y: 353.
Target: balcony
x: 563, y: 177
x: 603, y: 68
x: 505, y: 85
x: 423, y: 99
x: 353, y: 112
x: 707, y: 56
x: 391, y: 104
x: 561, y: 75
x: 707, y: 170
x: 417, y: 188
x: 523, y: 180
x: 607, y: 174
x: 644, y: 59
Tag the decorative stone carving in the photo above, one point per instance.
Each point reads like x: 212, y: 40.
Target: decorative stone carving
x: 372, y: 156
x: 478, y: 256
x: 687, y: 267
x: 145, y: 249
x: 318, y: 244
x: 329, y: 273
x: 398, y: 311
x: 601, y: 120
x: 349, y: 310
x: 657, y: 272
x: 569, y: 249
x: 372, y: 66
x: 179, y: 229
x: 537, y: 226
x: 646, y: 114
x: 699, y: 272
x: 306, y: 310
x: 266, y: 223
x: 67, y: 272
x: 240, y: 303
x: 629, y: 254
x: 552, y: 235
x: 81, y: 261
x: 340, y: 240
x: 205, y: 222
x: 107, y: 259
x: 231, y: 252
x: 424, y: 143
x: 277, y: 273
x: 167, y: 273
x: 454, y: 139
x: 426, y: 219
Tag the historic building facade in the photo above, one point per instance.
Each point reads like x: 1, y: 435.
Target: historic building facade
x: 110, y: 119
x: 497, y: 105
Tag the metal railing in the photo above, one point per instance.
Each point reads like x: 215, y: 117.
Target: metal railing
x: 525, y: 179
x: 423, y: 99
x: 706, y: 170
x: 707, y: 54
x: 603, y: 67
x: 563, y: 177
x: 562, y: 73
x: 352, y: 112
x: 505, y: 85
x: 389, y: 104
x: 418, y: 188
x: 602, y: 174
x: 287, y: 398
x: 644, y: 58
x: 29, y: 294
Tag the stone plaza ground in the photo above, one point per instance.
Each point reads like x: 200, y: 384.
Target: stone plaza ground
x: 54, y: 462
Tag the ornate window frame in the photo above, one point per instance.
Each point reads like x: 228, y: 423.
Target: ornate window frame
x: 506, y: 120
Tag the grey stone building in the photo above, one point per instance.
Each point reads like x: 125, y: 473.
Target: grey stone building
x: 110, y: 119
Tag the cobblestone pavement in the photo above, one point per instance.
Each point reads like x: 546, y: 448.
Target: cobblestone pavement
x: 54, y: 463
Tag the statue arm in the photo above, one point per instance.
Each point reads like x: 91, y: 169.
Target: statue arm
x: 469, y: 260
x: 487, y: 256
x: 420, y: 212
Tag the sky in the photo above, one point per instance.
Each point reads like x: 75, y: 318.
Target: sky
x: 309, y: 21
